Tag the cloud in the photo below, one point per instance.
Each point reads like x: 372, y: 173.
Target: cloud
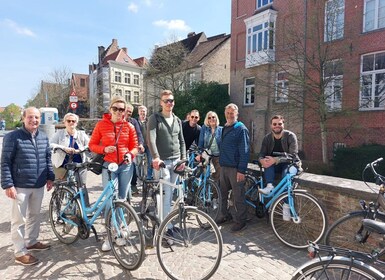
x: 18, y: 29
x: 133, y: 7
x: 174, y: 24
x: 148, y: 3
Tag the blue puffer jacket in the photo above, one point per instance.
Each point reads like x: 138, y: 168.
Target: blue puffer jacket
x: 234, y: 149
x: 23, y: 164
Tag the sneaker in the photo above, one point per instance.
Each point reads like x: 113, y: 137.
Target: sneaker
x: 106, y: 246
x: 38, y: 247
x: 134, y: 189
x: 268, y: 189
x: 26, y: 259
x: 286, y: 215
x: 238, y: 227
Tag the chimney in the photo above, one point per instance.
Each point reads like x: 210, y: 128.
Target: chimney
x: 115, y: 42
x: 101, y: 51
x: 191, y: 34
x: 125, y: 50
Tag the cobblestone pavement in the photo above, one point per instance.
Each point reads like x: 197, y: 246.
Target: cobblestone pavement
x: 254, y: 253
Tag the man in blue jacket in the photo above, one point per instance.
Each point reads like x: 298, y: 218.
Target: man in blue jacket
x: 25, y: 169
x: 233, y: 158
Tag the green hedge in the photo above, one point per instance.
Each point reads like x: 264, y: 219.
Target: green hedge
x: 350, y: 162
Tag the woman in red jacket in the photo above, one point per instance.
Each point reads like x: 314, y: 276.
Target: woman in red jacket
x: 117, y: 139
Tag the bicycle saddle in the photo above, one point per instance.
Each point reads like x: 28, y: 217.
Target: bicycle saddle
x: 177, y: 168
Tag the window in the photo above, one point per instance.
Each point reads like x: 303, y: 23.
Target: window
x: 281, y: 88
x: 249, y: 91
x: 127, y: 78
x: 262, y: 3
x: 334, y: 20
x: 136, y: 96
x: 333, y: 76
x: 118, y: 92
x: 374, y: 14
x: 82, y: 82
x: 118, y: 77
x: 372, y: 94
x: 136, y: 79
x: 260, y: 38
x: 190, y: 79
x: 127, y: 95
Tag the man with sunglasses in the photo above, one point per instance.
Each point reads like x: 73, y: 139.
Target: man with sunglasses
x: 278, y: 140
x: 191, y: 129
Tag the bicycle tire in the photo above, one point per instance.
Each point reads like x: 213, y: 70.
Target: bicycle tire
x: 61, y: 201
x: 311, y: 225
x: 127, y: 243
x: 336, y: 268
x: 347, y: 231
x: 208, y: 199
x: 196, y: 252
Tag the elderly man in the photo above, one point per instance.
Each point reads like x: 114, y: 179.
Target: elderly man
x: 25, y: 169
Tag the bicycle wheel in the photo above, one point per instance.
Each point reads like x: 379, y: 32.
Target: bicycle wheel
x: 348, y: 232
x: 62, y: 206
x: 208, y: 198
x: 336, y: 268
x: 311, y: 223
x: 125, y: 235
x: 186, y: 250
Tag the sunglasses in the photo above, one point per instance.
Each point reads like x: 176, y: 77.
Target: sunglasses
x: 213, y: 117
x: 194, y: 117
x: 71, y: 121
x: 168, y: 100
x: 280, y: 124
x: 121, y: 110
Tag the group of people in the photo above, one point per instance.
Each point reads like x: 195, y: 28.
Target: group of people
x: 27, y: 166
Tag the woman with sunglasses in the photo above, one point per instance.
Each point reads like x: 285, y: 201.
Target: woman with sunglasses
x: 116, y: 138
x: 210, y: 138
x: 72, y: 141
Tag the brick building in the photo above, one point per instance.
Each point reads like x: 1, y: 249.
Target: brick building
x: 319, y: 63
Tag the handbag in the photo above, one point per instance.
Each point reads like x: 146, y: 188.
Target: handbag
x: 97, y: 161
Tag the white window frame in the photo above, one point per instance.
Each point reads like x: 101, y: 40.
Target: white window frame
x: 262, y: 3
x: 118, y: 77
x: 127, y: 95
x: 375, y: 18
x: 260, y: 38
x: 136, y: 97
x: 249, y: 91
x: 372, y: 93
x: 281, y: 94
x: 127, y: 78
x: 334, y: 87
x: 334, y: 20
x: 118, y: 92
x: 136, y: 79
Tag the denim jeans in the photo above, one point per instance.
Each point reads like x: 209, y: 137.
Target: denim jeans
x: 270, y: 172
x: 123, y: 175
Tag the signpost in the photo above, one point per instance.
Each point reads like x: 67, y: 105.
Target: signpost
x: 73, y: 100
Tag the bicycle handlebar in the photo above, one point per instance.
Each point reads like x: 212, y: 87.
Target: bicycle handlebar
x: 55, y: 149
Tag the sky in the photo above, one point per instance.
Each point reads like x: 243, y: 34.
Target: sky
x: 38, y: 37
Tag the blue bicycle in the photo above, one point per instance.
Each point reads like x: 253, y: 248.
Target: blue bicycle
x: 71, y: 219
x: 296, y: 216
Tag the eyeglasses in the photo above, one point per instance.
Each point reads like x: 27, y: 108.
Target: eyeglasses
x: 213, y: 117
x: 121, y: 110
x: 71, y: 121
x: 168, y: 101
x: 194, y: 117
x: 280, y: 124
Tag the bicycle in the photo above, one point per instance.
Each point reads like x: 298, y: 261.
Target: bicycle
x: 185, y: 235
x: 141, y: 166
x: 71, y: 219
x: 340, y: 263
x: 307, y: 220
x: 348, y: 232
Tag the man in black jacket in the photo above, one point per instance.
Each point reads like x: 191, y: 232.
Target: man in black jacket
x: 25, y: 169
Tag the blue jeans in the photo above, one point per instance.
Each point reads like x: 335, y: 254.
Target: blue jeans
x: 169, y: 175
x: 270, y: 172
x: 123, y: 176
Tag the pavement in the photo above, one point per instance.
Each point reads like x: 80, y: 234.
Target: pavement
x: 254, y: 253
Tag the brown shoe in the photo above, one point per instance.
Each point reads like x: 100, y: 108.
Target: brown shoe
x: 39, y: 247
x: 238, y: 227
x: 26, y: 259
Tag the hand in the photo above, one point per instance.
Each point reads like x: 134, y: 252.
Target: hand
x: 11, y: 192
x: 49, y: 185
x: 155, y: 163
x: 141, y: 149
x: 240, y: 177
x: 128, y: 158
x: 70, y: 150
x: 198, y: 158
x: 267, y: 161
x: 109, y: 149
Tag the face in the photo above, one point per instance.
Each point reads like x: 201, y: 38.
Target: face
x: 32, y: 119
x: 70, y: 122
x: 117, y: 110
x: 129, y: 112
x: 167, y: 102
x: 142, y: 114
x: 277, y: 126
x: 231, y: 115
x: 194, y: 118
x: 212, y: 119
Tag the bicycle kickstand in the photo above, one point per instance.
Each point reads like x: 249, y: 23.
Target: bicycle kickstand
x: 95, y: 233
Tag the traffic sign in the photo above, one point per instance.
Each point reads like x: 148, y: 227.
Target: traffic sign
x: 73, y: 93
x: 73, y: 105
x: 73, y: 98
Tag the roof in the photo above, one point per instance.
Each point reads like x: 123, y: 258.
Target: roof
x: 119, y: 56
x: 189, y: 43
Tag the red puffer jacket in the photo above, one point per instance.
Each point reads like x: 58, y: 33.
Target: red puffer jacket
x: 105, y: 134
